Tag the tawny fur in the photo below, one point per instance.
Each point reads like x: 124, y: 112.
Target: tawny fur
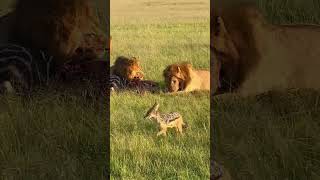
x: 177, y: 124
x: 254, y: 55
x: 128, y: 68
x: 182, y: 77
x: 154, y: 114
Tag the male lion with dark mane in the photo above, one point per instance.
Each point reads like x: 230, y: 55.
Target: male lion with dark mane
x: 65, y: 29
x: 182, y: 77
x: 251, y: 55
x: 127, y: 68
x: 127, y: 74
x: 53, y: 34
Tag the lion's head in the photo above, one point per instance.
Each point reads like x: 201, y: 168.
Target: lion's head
x: 233, y: 48
x: 128, y: 68
x: 225, y: 56
x: 66, y: 29
x: 177, y: 76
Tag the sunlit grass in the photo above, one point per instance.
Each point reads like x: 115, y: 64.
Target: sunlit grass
x: 160, y: 33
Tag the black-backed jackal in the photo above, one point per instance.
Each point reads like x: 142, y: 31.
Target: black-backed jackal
x: 166, y: 120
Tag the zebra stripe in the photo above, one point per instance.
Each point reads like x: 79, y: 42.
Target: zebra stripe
x: 117, y: 82
x: 17, y: 62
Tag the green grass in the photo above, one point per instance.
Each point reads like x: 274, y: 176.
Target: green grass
x: 53, y: 136
x: 160, y: 33
x: 274, y: 135
x: 136, y: 152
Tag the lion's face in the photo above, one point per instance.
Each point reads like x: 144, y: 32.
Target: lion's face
x: 67, y: 30
x: 93, y: 46
x: 173, y: 84
x: 134, y: 72
x: 128, y: 68
x: 173, y: 78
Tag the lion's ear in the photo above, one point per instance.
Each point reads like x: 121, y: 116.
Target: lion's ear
x: 222, y: 40
x: 179, y: 70
x: 219, y: 27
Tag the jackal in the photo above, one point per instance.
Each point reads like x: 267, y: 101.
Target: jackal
x: 165, y: 121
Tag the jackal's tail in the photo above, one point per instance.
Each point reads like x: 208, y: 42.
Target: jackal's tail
x: 185, y: 125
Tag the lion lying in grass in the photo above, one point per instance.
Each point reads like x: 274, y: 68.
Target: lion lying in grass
x: 183, y: 78
x: 250, y: 55
x: 128, y: 68
x: 127, y: 74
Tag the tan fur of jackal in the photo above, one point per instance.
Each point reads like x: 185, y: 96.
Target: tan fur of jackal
x: 154, y: 114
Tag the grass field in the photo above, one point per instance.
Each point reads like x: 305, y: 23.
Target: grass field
x: 160, y: 33
x: 275, y: 135
x: 53, y: 135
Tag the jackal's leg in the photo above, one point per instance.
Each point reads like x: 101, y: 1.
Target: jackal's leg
x: 177, y: 129
x: 179, y: 126
x: 163, y: 131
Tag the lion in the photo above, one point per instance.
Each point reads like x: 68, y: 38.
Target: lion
x: 183, y: 78
x: 64, y: 29
x: 54, y: 33
x: 251, y: 55
x: 127, y: 68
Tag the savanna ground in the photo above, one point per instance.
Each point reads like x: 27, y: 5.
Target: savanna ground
x: 54, y: 134
x: 274, y: 135
x: 160, y: 33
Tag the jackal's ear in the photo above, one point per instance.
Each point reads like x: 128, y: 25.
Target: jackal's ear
x: 152, y: 110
